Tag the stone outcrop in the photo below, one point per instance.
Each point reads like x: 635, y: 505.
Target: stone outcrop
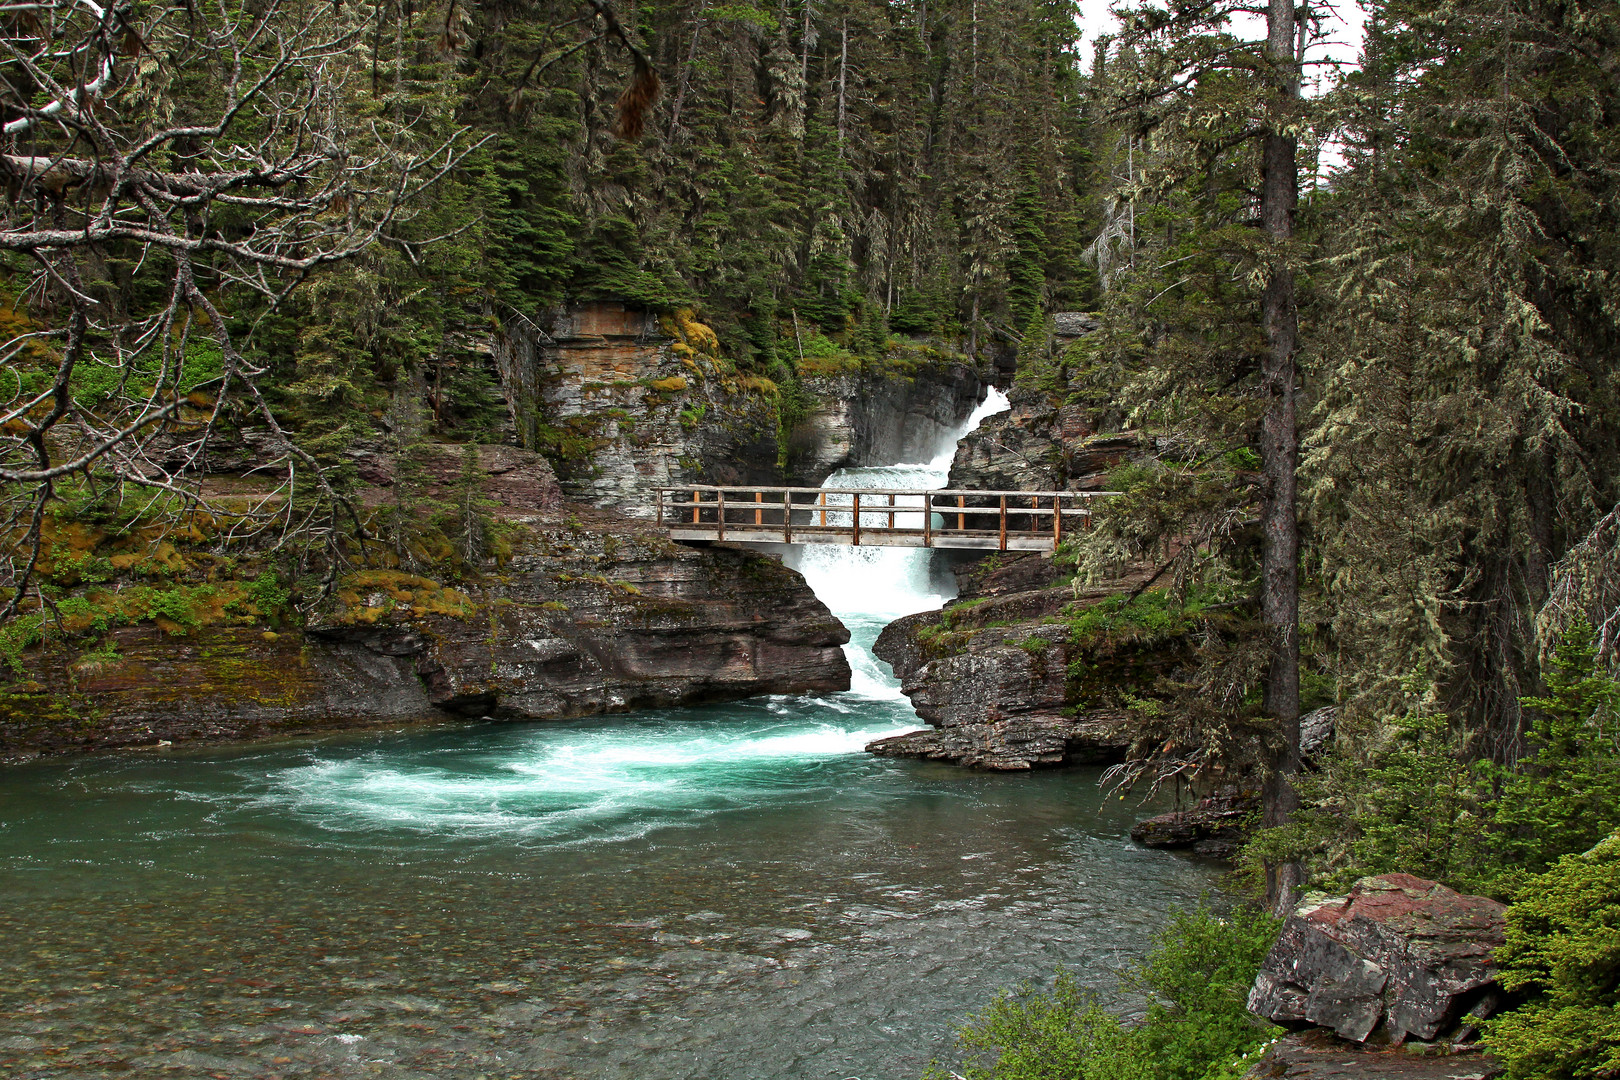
x: 871, y: 418
x: 1317, y: 730
x: 1318, y: 1055
x: 991, y: 675
x: 1215, y: 828
x: 1015, y: 743
x: 1399, y: 956
x: 1044, y: 442
x: 1036, y: 446
x: 588, y: 615
x: 624, y: 402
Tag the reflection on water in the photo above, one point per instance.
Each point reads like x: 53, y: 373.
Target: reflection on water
x: 724, y: 893
x: 436, y: 904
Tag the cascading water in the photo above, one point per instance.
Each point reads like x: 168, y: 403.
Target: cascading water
x: 630, y: 777
x: 733, y: 892
x: 870, y: 587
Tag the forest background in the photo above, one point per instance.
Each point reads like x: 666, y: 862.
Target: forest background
x: 821, y: 180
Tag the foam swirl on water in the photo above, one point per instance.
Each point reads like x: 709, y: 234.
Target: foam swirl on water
x: 613, y: 779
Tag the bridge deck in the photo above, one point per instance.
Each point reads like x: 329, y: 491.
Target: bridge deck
x: 876, y: 517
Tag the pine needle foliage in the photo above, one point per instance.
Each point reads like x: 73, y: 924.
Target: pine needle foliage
x: 1563, y: 952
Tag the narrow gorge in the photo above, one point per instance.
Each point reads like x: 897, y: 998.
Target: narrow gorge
x: 647, y: 895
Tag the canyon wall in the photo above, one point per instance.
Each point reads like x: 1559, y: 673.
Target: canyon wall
x: 583, y: 612
x: 624, y: 402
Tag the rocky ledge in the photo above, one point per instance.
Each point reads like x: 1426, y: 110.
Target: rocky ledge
x: 1318, y: 1055
x: 1400, y: 958
x: 992, y: 674
x: 590, y: 613
x: 1215, y: 828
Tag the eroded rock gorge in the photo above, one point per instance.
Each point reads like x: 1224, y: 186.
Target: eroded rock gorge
x: 624, y: 402
x: 589, y: 614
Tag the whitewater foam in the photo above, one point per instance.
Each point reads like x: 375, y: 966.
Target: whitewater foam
x: 563, y: 784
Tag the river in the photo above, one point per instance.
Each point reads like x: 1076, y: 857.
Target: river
x: 734, y: 892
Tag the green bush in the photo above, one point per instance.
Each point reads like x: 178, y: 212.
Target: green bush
x: 1563, y: 949
x: 1197, y: 1026
x: 1565, y: 796
x: 1411, y: 800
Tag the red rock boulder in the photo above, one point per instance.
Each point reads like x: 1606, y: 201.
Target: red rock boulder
x: 1398, y: 951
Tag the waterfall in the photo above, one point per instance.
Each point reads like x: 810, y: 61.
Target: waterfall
x: 586, y: 782
x: 869, y: 587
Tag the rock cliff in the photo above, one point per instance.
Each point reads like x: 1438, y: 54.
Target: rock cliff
x: 624, y: 402
x: 585, y: 613
x: 880, y: 418
x: 992, y: 674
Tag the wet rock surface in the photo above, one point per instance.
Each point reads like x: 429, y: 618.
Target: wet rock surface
x: 1398, y: 956
x: 1215, y: 828
x: 1319, y: 1055
x: 875, y: 418
x: 592, y: 614
x: 990, y: 673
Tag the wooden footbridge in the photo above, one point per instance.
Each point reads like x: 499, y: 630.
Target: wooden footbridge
x: 876, y: 517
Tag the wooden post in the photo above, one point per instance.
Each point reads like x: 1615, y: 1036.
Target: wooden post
x: 720, y: 498
x: 961, y: 519
x: 1004, y: 523
x: 928, y: 520
x: 822, y: 499
x: 695, y: 507
x: 856, y: 519
x: 1057, y: 521
x: 787, y: 516
x: 891, y: 510
x: 759, y: 515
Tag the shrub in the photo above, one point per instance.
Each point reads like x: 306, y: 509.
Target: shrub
x: 1197, y: 1025
x: 1563, y: 949
x: 1410, y: 800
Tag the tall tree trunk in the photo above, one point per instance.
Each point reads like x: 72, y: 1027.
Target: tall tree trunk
x: 1279, y: 446
x: 973, y: 79
x: 843, y: 78
x: 804, y: 45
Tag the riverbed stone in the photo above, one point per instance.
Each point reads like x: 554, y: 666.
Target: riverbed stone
x: 1319, y: 1055
x: 1398, y: 951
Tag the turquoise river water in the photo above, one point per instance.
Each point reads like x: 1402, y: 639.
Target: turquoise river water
x: 735, y: 892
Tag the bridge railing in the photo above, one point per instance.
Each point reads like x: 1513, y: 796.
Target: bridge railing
x: 1002, y: 520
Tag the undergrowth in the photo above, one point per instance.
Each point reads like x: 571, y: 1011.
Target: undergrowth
x: 1196, y: 982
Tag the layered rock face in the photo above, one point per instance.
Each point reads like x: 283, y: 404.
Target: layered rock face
x: 589, y: 615
x: 606, y: 394
x: 880, y: 419
x: 1398, y: 955
x: 625, y: 403
x: 1042, y: 443
x: 993, y: 678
